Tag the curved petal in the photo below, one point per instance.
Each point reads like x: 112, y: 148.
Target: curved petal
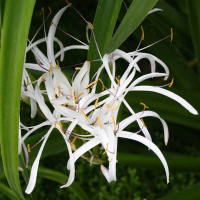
x: 34, y: 169
x: 169, y: 94
x: 149, y: 144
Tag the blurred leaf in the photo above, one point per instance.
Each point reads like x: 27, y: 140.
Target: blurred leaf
x: 2, y: 175
x: 188, y: 194
x: 194, y: 18
x: 2, y: 4
x: 16, y: 21
x: 149, y: 162
x: 167, y: 108
x: 177, y: 21
x: 104, y: 23
x: 169, y: 54
x: 62, y: 178
x: 5, y: 190
x: 136, y: 13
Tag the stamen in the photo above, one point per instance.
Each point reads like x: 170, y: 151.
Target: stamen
x: 58, y: 64
x: 171, y: 83
x: 73, y: 98
x: 143, y: 123
x: 114, y: 124
x: 91, y: 25
x: 106, y: 149
x: 99, y: 122
x: 59, y: 92
x: 142, y: 33
x: 28, y: 147
x: 79, y: 95
x: 49, y: 10
x: 84, y: 114
x: 78, y: 68
x: 95, y: 105
x: 43, y: 77
x: 61, y: 128
x: 94, y: 82
x: 143, y: 105
x: 113, y: 107
x: 50, y: 68
x: 51, y: 23
x: 68, y: 3
x: 73, y: 141
x: 117, y: 80
x: 171, y: 34
x: 101, y: 83
x: 65, y: 104
x: 41, y: 10
x: 108, y: 106
x: 54, y: 94
x: 27, y: 81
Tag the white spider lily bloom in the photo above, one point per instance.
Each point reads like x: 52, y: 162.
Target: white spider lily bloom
x: 71, y: 94
x: 54, y: 120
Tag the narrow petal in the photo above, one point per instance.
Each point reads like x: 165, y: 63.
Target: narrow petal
x: 105, y: 172
x: 149, y: 144
x: 169, y: 94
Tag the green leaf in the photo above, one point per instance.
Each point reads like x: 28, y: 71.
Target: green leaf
x: 194, y: 18
x: 104, y: 23
x: 62, y: 178
x: 151, y: 162
x: 188, y: 194
x: 136, y: 13
x: 169, y: 54
x: 16, y: 21
x: 5, y: 190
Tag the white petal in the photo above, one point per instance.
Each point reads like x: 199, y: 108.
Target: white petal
x: 154, y: 10
x: 149, y: 144
x: 34, y: 168
x: 105, y: 172
x: 169, y: 94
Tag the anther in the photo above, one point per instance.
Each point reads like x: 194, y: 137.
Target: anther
x: 68, y: 3
x: 28, y: 147
x: 143, y: 105
x: 54, y: 94
x: 73, y: 141
x: 41, y: 10
x: 79, y: 95
x: 50, y: 68
x: 99, y: 122
x: 101, y: 83
x: 59, y: 92
x: 113, y: 108
x: 106, y: 149
x: 117, y: 80
x: 171, y: 34
x: 108, y: 106
x: 95, y: 105
x: 51, y: 23
x: 94, y: 82
x: 142, y: 33
x: 78, y: 68
x: 58, y: 64
x: 143, y: 123
x: 59, y: 123
x: 65, y: 104
x: 49, y: 10
x: 27, y: 81
x: 73, y: 98
x: 114, y: 124
x: 84, y: 114
x: 171, y: 83
x: 91, y: 25
x: 43, y: 77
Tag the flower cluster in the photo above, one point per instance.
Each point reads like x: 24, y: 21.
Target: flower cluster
x: 76, y: 101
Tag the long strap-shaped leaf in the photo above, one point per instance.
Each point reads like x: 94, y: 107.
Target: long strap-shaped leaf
x: 61, y: 178
x: 137, y: 11
x: 16, y: 21
x: 5, y: 190
x: 193, y: 11
x: 188, y: 194
x: 104, y: 23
